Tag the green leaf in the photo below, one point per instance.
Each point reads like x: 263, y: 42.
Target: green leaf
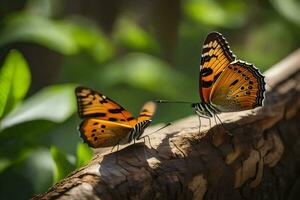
x: 38, y: 169
x: 14, y: 81
x: 289, y: 9
x: 213, y: 13
x: 62, y: 165
x: 147, y: 73
x: 38, y: 29
x: 54, y: 103
x: 84, y: 154
x: 130, y: 35
x: 4, y: 164
x: 90, y: 38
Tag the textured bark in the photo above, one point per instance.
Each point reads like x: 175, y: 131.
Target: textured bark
x: 257, y: 157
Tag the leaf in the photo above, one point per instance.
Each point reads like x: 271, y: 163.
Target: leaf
x: 145, y: 72
x: 4, y: 164
x: 38, y: 29
x: 130, y: 35
x: 213, y: 13
x: 62, y: 165
x: 289, y: 9
x: 90, y: 38
x: 38, y: 169
x: 54, y: 103
x: 84, y: 154
x: 14, y: 81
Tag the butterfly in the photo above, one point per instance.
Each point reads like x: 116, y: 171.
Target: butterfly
x: 106, y: 123
x: 226, y: 84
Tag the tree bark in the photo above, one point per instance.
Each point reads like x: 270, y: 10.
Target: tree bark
x: 255, y: 156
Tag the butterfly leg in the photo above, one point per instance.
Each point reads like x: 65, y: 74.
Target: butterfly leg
x: 118, y: 146
x: 199, y: 118
x: 113, y: 148
x: 147, y: 136
x: 215, y: 124
x: 199, y: 124
x: 226, y: 129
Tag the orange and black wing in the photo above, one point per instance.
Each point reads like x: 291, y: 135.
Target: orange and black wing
x: 240, y: 87
x: 147, y: 111
x: 99, y: 133
x: 92, y: 104
x: 216, y: 56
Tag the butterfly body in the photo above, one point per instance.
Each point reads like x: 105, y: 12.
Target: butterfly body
x: 205, y: 109
x: 226, y: 84
x: 106, y: 123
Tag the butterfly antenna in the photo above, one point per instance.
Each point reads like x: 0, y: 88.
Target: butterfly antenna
x: 167, y: 101
x: 168, y: 124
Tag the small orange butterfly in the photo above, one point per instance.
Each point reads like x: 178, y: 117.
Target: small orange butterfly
x: 106, y: 123
x: 225, y: 84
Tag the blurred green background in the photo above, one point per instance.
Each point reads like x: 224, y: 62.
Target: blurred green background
x: 131, y: 51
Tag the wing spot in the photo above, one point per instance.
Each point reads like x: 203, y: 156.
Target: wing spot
x: 101, y: 114
x: 250, y: 82
x: 235, y: 69
x: 103, y: 101
x: 207, y: 58
x: 239, y: 71
x: 93, y: 135
x: 122, y: 120
x: 130, y: 118
x: 145, y: 115
x: 95, y: 138
x: 242, y: 87
x: 246, y: 78
x: 94, y: 130
x: 103, y: 126
x: 102, y: 131
x: 96, y: 123
x: 112, y: 119
x: 206, y: 71
x: 234, y: 82
x: 248, y: 93
x: 250, y: 87
x: 115, y: 110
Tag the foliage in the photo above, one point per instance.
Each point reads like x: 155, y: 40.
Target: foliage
x: 14, y: 81
x: 129, y: 54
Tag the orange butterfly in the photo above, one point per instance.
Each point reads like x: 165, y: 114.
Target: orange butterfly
x: 226, y: 84
x: 106, y: 123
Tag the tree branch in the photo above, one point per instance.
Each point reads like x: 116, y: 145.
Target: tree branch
x: 256, y: 159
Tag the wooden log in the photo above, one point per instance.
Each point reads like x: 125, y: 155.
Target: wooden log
x: 256, y: 157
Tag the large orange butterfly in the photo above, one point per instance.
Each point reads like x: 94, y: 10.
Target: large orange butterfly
x: 226, y: 84
x: 106, y: 123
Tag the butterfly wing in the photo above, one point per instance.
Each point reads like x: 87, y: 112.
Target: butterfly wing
x: 94, y: 104
x: 240, y: 87
x: 147, y: 111
x: 99, y: 133
x: 216, y: 56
